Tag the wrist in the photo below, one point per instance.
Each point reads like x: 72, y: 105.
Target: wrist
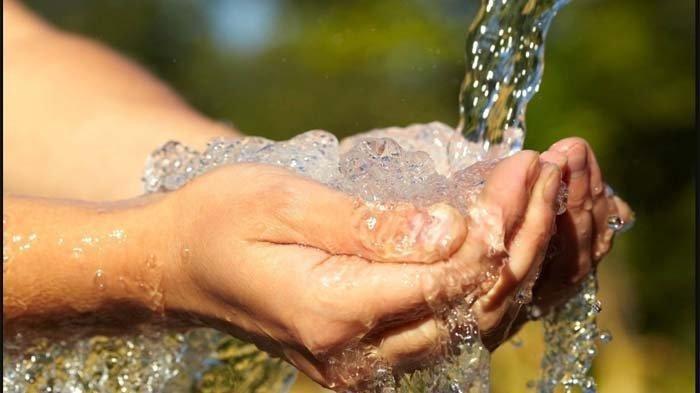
x: 174, y: 240
x: 150, y: 243
x: 195, y: 293
x: 87, y: 262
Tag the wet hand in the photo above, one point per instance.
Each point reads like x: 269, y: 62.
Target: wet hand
x: 584, y: 233
x: 303, y: 270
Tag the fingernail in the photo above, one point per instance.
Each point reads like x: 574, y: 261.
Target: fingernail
x: 552, y: 183
x: 596, y: 177
x: 578, y: 160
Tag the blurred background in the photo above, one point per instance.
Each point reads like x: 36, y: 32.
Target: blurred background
x: 618, y: 73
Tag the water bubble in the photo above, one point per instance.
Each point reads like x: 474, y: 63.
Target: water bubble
x: 615, y: 223
x: 605, y: 337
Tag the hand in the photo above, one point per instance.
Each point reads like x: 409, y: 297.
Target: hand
x: 583, y: 236
x: 302, y: 270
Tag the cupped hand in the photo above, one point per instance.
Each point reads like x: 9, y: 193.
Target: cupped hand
x: 302, y: 270
x: 584, y: 235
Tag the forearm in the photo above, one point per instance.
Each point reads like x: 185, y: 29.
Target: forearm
x: 78, y: 119
x: 66, y: 261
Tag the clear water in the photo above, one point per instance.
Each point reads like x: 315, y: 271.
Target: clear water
x: 504, y: 65
x: 571, y: 335
x: 423, y: 164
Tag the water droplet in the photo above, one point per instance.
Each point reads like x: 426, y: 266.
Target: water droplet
x: 615, y: 223
x: 77, y: 252
x: 371, y: 223
x: 100, y: 279
x: 516, y: 342
x: 605, y: 337
x: 534, y: 312
x: 117, y: 234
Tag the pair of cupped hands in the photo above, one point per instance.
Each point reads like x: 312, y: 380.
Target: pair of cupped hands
x: 296, y: 268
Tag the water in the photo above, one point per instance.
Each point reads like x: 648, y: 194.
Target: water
x: 505, y: 61
x: 153, y: 361
x: 423, y: 164
x: 372, y: 166
x: 384, y: 165
x: 504, y: 65
x: 570, y: 334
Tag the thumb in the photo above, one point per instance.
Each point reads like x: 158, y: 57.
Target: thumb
x: 318, y: 216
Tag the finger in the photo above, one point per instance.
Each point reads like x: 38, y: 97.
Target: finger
x: 391, y: 292
x: 597, y: 186
x: 577, y: 173
x: 625, y: 212
x: 556, y: 158
x: 603, y: 209
x: 409, y: 346
x: 595, y: 174
x: 306, y: 364
x: 610, y: 207
x: 404, y: 233
x: 578, y: 225
x: 504, y: 199
x: 315, y: 215
x: 529, y: 244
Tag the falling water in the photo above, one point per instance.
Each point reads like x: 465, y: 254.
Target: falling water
x: 505, y: 61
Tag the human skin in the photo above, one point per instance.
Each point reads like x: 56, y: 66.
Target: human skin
x: 265, y: 264
x: 581, y: 240
x: 201, y: 255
